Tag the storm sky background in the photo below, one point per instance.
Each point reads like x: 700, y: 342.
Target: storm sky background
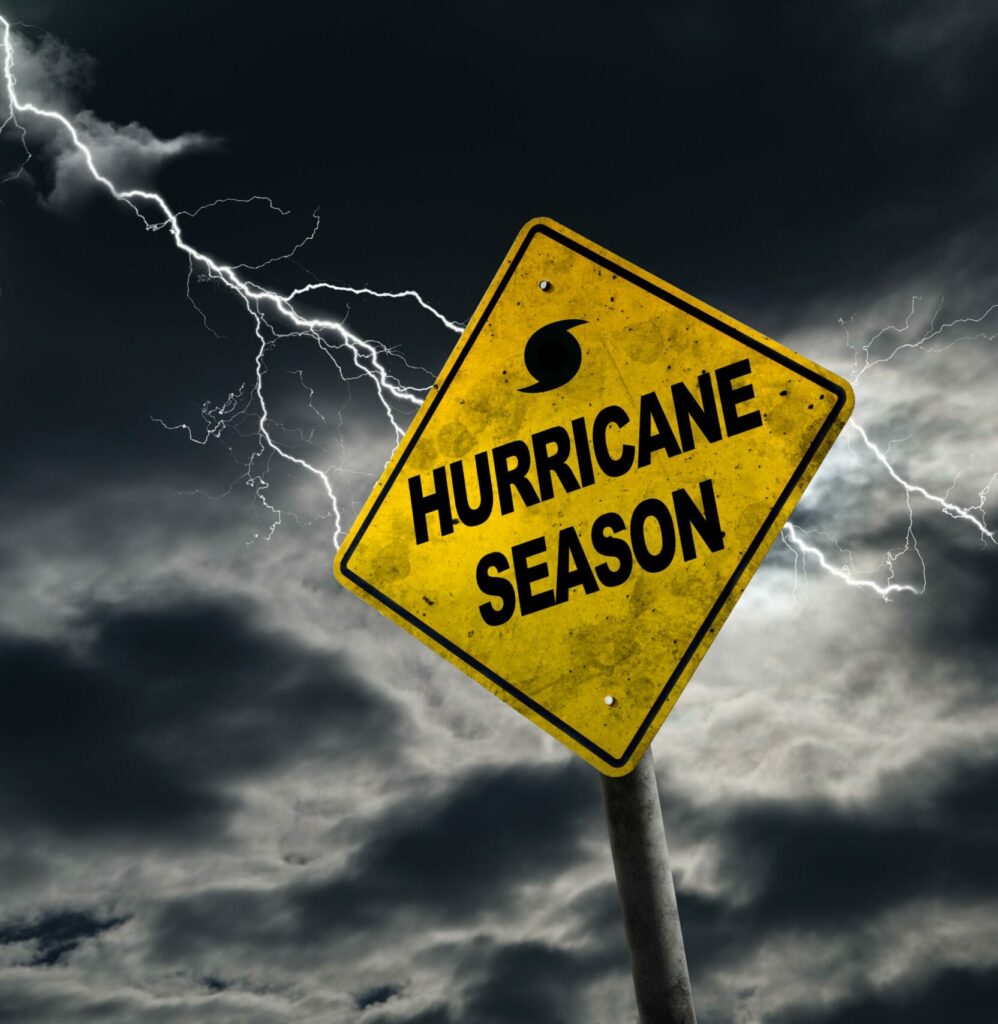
x: 231, y: 792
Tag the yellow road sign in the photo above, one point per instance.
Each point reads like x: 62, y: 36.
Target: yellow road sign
x: 597, y: 473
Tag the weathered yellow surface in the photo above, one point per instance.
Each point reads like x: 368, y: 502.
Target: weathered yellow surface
x: 638, y: 641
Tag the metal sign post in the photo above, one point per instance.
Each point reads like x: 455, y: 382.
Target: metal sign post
x: 648, y: 896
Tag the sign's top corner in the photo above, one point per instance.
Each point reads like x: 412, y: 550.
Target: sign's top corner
x: 548, y: 225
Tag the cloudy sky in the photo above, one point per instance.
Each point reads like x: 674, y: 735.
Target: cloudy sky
x: 231, y: 792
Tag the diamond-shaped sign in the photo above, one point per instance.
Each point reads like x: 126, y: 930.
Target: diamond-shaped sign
x: 597, y: 473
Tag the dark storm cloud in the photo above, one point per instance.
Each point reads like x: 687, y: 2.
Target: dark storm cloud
x: 801, y: 868
x: 963, y: 994
x: 53, y: 997
x: 818, y: 867
x: 141, y: 729
x: 956, y: 622
x: 717, y: 930
x: 437, y: 1014
x: 468, y: 851
x: 54, y: 936
x: 533, y: 981
x: 821, y: 868
x: 376, y: 996
x: 952, y: 623
x: 496, y: 982
x: 447, y: 859
x: 803, y: 153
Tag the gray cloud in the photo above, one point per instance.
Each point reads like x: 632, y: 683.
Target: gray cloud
x: 53, y: 936
x: 534, y: 981
x: 969, y: 993
x: 52, y: 75
x: 476, y: 849
x: 129, y: 155
x: 139, y: 726
x: 49, y: 71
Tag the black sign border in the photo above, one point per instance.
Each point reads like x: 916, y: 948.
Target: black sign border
x: 659, y: 292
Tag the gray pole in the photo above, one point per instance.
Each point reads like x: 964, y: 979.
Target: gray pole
x: 647, y: 896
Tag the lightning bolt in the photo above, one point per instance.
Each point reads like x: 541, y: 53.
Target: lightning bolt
x: 273, y: 314
x: 865, y: 357
x: 937, y: 338
x: 276, y: 317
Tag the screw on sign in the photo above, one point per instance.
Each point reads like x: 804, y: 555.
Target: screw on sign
x: 598, y: 472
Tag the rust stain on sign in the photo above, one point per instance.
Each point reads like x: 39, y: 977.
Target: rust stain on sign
x: 596, y: 475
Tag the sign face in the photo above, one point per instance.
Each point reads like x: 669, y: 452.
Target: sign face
x: 594, y: 478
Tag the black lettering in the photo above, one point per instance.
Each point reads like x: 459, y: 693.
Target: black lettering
x: 690, y: 411
x: 732, y: 397
x: 547, y: 462
x: 573, y: 566
x: 528, y: 574
x: 612, y: 414
x: 706, y: 521
x: 423, y: 504
x: 495, y: 586
x: 515, y: 475
x: 468, y: 515
x: 652, y: 508
x: 613, y: 547
x: 582, y: 452
x: 654, y: 430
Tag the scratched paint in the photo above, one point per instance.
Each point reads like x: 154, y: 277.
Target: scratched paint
x: 725, y: 427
